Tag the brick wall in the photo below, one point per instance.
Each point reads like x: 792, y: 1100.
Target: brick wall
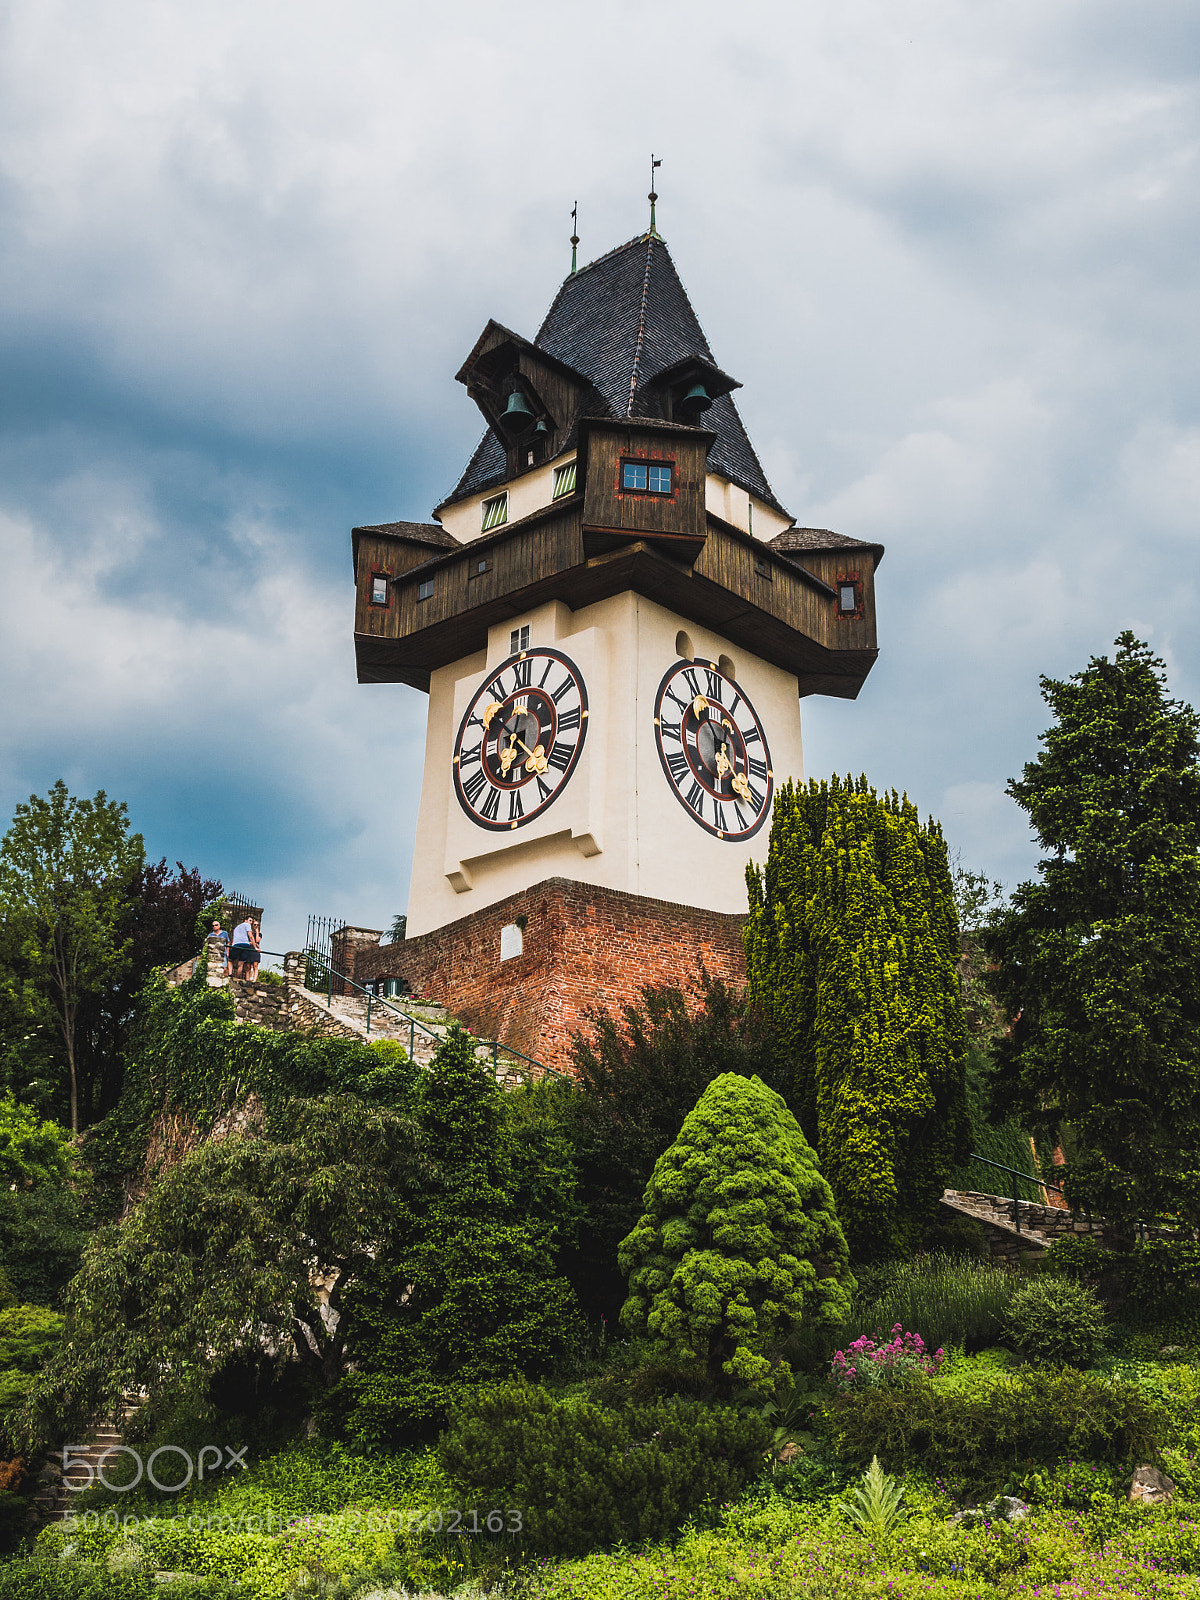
x: 584, y: 948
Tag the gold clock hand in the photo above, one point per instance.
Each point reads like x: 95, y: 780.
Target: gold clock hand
x: 537, y: 756
x: 739, y: 784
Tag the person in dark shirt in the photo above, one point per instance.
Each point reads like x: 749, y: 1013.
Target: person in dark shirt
x: 244, y: 953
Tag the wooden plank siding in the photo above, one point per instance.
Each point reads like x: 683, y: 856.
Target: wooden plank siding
x: 789, y: 619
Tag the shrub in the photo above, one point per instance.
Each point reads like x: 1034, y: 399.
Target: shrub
x: 1056, y: 1322
x: 739, y: 1241
x: 948, y: 1300
x: 1080, y: 1257
x: 583, y: 1475
x: 1001, y: 1421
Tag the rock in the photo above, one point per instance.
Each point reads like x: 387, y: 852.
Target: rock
x: 789, y: 1453
x: 1008, y: 1508
x: 1150, y: 1487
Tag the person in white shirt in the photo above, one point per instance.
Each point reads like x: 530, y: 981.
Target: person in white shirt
x: 243, y: 952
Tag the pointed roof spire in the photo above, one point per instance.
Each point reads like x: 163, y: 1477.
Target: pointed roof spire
x: 652, y: 197
x: 575, y: 236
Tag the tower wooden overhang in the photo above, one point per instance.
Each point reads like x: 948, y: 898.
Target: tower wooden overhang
x: 634, y: 348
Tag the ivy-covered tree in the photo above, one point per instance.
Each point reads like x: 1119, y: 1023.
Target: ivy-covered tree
x: 852, y: 944
x: 464, y: 1290
x: 739, y: 1241
x: 245, y: 1245
x: 637, y: 1077
x: 1099, y: 960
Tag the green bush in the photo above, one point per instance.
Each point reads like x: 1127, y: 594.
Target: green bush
x: 583, y: 1475
x: 984, y: 1430
x: 947, y: 1299
x: 1080, y: 1257
x: 39, y: 1579
x: 739, y: 1242
x: 1057, y: 1321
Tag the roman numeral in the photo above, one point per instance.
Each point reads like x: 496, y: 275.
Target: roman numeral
x: 496, y: 688
x: 752, y: 736
x: 473, y: 787
x: 737, y: 700
x: 546, y: 674
x: 692, y: 681
x: 492, y: 805
x: 468, y: 756
x: 544, y: 789
x: 714, y: 685
x: 758, y: 769
x: 560, y: 756
x: 524, y: 672
x: 695, y: 799
x: 677, y: 762
x: 670, y: 730
x: 568, y: 720
x: 564, y: 687
x: 691, y: 736
x: 756, y: 799
x: 719, y: 815
x: 742, y: 823
x: 515, y: 808
x: 682, y: 704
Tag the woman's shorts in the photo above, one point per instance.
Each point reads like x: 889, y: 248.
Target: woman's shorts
x: 243, y: 952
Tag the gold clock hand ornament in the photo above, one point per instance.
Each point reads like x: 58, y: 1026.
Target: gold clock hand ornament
x: 739, y: 784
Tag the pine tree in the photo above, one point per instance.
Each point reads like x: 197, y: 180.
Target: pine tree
x: 1100, y: 959
x: 739, y: 1241
x: 852, y: 944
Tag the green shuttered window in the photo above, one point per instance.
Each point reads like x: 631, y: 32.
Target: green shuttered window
x: 495, y: 512
x: 564, y: 480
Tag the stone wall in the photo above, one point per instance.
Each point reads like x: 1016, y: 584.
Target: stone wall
x: 584, y: 948
x: 1040, y: 1225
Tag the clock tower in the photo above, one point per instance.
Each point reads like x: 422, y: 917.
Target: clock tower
x: 615, y: 621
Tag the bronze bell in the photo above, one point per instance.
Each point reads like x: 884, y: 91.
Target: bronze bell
x: 517, y: 415
x: 696, y: 400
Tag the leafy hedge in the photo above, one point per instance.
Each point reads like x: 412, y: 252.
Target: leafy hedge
x: 583, y: 1475
x: 1001, y: 1421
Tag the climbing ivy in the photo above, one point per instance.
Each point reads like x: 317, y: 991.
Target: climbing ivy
x: 852, y: 942
x: 191, y: 1059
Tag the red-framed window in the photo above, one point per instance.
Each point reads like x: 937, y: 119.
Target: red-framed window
x: 379, y: 591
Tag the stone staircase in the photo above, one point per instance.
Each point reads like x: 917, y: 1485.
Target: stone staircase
x: 54, y: 1498
x: 419, y: 1025
x: 1040, y: 1225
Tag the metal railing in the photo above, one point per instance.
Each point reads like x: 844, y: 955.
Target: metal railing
x: 414, y: 1023
x: 1026, y: 1177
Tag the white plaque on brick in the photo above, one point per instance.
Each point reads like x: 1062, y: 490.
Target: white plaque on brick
x: 512, y: 942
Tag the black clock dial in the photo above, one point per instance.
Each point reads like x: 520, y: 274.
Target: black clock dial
x: 520, y: 739
x: 713, y: 750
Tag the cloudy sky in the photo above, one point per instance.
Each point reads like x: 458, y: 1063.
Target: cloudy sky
x: 950, y: 249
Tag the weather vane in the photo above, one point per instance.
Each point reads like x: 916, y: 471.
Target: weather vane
x: 652, y: 197
x: 574, y: 235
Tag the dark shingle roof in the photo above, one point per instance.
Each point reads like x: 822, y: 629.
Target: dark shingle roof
x: 618, y: 322
x: 417, y: 532
x: 794, y: 539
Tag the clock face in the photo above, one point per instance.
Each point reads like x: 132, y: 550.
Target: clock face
x: 520, y: 740
x: 713, y: 750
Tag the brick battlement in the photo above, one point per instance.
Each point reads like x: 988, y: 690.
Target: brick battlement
x: 584, y: 948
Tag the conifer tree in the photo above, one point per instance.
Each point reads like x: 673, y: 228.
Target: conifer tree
x: 852, y: 943
x: 739, y: 1241
x: 1099, y: 960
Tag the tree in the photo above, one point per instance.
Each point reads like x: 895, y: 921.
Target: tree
x: 1099, y: 960
x: 637, y: 1077
x: 67, y: 869
x: 739, y: 1240
x: 464, y: 1291
x: 164, y: 907
x: 852, y: 944
x: 248, y: 1243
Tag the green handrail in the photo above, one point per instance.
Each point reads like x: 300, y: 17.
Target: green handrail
x: 414, y: 1023
x: 1039, y: 1183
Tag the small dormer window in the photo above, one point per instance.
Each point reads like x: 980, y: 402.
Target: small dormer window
x: 564, y: 480
x: 495, y: 512
x: 518, y: 640
x: 425, y: 589
x: 379, y: 588
x: 849, y: 595
x: 647, y: 477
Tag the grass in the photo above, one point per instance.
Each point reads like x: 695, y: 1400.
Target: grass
x: 948, y: 1300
